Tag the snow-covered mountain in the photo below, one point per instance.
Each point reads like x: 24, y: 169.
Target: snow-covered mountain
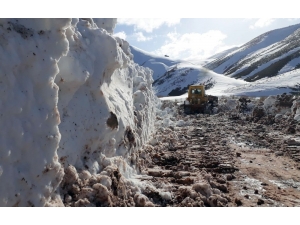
x: 178, y: 78
x: 288, y: 82
x: 172, y: 77
x: 158, y: 64
x: 270, y: 54
x: 220, y: 54
x: 176, y: 81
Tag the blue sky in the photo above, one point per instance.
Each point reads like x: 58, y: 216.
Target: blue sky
x: 208, y: 28
x: 194, y: 38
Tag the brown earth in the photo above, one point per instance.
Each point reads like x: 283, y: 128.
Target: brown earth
x: 226, y: 159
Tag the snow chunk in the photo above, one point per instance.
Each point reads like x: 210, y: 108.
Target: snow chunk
x: 296, y: 109
x: 280, y: 104
x: 71, y: 175
x: 104, y: 180
x: 181, y: 123
x: 203, y: 188
x: 85, y: 175
x: 166, y: 195
x: 108, y: 24
x: 142, y: 200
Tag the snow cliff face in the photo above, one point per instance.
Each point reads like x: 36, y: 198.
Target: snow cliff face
x: 29, y: 55
x: 70, y: 95
x: 99, y: 96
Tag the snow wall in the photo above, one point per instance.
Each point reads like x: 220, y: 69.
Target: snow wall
x: 71, y: 98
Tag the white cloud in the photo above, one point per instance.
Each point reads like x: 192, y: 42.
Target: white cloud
x: 293, y: 19
x: 262, y: 22
x: 140, y: 37
x: 193, y: 45
x: 121, y: 34
x: 148, y: 25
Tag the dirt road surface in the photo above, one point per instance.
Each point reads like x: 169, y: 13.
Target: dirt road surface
x: 226, y: 159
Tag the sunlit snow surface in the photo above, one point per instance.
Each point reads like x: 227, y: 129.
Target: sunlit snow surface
x: 68, y: 92
x: 263, y: 46
x: 29, y: 53
x: 185, y: 73
x: 268, y: 86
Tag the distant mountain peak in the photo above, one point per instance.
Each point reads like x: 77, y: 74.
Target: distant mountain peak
x: 240, y: 70
x: 267, y: 55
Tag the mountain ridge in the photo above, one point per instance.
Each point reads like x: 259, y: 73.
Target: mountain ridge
x: 268, y: 55
x: 263, y: 56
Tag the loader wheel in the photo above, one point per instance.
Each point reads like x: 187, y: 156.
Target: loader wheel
x: 187, y: 110
x: 207, y: 111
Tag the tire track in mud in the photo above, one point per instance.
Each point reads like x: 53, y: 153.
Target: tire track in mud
x: 226, y: 159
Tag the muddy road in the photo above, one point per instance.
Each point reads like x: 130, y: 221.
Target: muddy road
x: 225, y: 159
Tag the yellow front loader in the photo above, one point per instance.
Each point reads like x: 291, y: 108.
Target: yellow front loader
x: 198, y: 102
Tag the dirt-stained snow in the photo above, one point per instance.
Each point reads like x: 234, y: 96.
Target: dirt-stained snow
x: 82, y: 126
x: 71, y: 100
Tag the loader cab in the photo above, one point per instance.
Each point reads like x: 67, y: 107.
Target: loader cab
x: 196, y: 94
x: 197, y: 91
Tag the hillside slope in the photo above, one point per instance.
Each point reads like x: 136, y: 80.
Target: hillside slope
x: 267, y: 55
x: 177, y: 80
x: 172, y: 77
x: 158, y: 64
x: 288, y: 82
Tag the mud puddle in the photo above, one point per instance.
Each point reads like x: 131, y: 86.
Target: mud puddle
x: 265, y: 179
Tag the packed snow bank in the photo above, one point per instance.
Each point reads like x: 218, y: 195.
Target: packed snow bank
x: 296, y: 109
x: 72, y: 100
x: 99, y: 97
x: 29, y: 167
x: 279, y: 104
